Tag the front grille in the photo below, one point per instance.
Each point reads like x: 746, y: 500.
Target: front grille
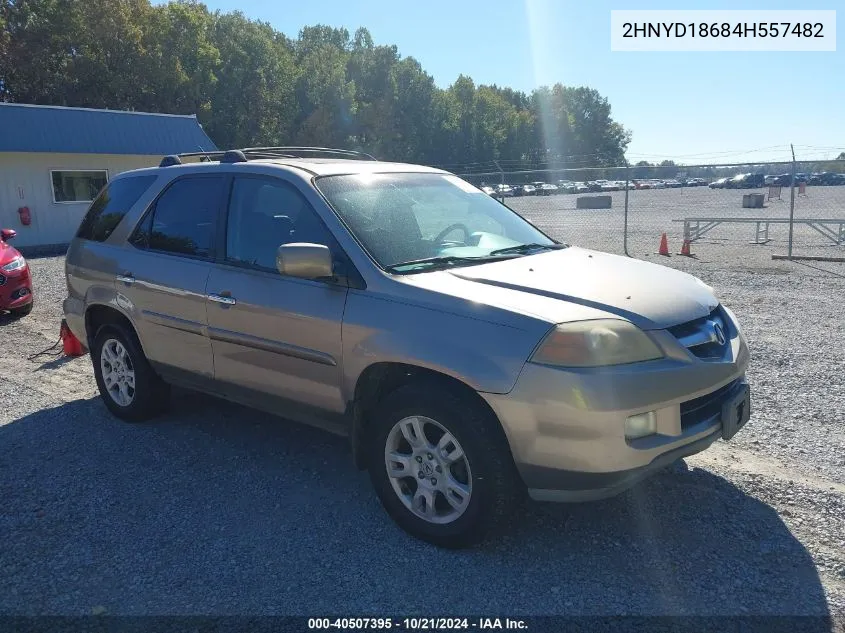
x: 705, y: 407
x: 701, y: 336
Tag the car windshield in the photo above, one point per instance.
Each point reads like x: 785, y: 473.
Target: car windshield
x: 410, y: 222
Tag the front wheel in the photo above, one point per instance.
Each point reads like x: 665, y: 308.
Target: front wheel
x: 440, y: 467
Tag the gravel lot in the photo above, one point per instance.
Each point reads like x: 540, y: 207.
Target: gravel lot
x: 217, y: 509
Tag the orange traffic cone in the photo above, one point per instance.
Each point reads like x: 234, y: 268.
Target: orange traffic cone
x: 70, y: 344
x: 685, y: 249
x: 664, y: 246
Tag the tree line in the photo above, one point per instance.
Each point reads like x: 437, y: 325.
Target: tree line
x: 251, y: 85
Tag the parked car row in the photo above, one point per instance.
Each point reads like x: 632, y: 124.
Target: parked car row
x: 827, y: 178
x: 756, y: 181
x: 541, y: 188
x: 739, y: 181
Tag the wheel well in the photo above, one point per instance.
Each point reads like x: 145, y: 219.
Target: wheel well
x: 380, y: 379
x: 99, y: 315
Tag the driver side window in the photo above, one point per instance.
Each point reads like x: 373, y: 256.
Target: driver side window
x: 263, y: 215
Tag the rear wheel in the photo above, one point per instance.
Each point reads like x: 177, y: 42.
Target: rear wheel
x: 441, y: 469
x: 128, y: 385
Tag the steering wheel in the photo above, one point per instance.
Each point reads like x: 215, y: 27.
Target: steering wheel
x: 449, y: 229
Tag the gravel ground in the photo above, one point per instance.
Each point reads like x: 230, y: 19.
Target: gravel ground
x: 217, y: 509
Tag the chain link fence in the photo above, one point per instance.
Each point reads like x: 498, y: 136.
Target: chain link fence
x: 818, y: 229
x: 719, y: 211
x: 582, y: 206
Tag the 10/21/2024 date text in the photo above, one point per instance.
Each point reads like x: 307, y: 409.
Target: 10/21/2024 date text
x: 417, y: 624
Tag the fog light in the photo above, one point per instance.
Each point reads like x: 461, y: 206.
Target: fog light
x: 640, y: 425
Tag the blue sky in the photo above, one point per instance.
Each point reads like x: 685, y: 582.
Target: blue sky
x: 695, y: 107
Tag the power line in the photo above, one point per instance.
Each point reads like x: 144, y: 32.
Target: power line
x: 710, y: 154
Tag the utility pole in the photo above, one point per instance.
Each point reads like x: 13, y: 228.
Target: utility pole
x: 501, y: 180
x: 791, y: 202
x: 625, y: 229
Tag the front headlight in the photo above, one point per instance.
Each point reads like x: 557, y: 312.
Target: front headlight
x: 596, y: 343
x: 16, y: 264
x: 733, y: 319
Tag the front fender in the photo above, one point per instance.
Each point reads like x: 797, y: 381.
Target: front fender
x: 485, y: 355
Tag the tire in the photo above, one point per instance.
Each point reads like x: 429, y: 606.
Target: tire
x: 23, y: 310
x: 488, y: 473
x: 149, y: 395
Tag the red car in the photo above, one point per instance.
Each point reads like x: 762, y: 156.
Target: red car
x: 15, y: 280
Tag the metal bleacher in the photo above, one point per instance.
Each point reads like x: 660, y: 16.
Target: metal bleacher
x: 832, y: 229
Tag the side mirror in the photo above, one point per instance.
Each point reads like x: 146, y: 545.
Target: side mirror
x: 307, y: 261
x: 7, y: 234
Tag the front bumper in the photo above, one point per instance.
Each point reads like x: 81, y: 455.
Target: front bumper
x: 15, y: 289
x: 566, y: 428
x: 568, y: 486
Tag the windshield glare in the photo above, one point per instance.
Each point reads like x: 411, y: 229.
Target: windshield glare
x: 403, y: 217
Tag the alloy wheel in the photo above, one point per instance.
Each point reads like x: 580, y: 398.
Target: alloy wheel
x: 428, y: 469
x: 118, y: 372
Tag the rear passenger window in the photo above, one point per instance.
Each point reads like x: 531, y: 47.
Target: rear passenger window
x: 106, y: 212
x: 182, y: 220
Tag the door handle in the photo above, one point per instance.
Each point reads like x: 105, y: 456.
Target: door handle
x: 222, y: 298
x: 126, y: 278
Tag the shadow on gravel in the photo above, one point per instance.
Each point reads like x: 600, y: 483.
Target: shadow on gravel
x: 8, y: 317
x: 218, y: 509
x: 54, y: 363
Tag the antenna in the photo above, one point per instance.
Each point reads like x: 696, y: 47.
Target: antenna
x: 205, y: 158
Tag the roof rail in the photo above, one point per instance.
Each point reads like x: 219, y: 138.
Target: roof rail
x: 233, y: 156
x: 170, y: 160
x: 302, y: 152
x: 251, y: 153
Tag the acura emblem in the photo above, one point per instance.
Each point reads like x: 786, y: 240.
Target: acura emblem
x: 720, y: 333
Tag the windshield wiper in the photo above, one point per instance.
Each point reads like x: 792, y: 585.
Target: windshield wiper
x: 434, y: 261
x: 526, y: 248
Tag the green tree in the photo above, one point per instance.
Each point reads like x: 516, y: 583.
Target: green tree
x: 253, y: 101
x: 251, y: 85
x: 643, y: 169
x: 183, y: 58
x: 325, y: 97
x: 414, y: 112
x: 370, y: 69
x: 593, y: 130
x: 40, y: 44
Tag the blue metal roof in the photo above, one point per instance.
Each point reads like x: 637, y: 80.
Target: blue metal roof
x: 35, y: 128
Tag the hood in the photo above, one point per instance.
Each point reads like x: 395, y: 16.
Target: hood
x: 580, y: 283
